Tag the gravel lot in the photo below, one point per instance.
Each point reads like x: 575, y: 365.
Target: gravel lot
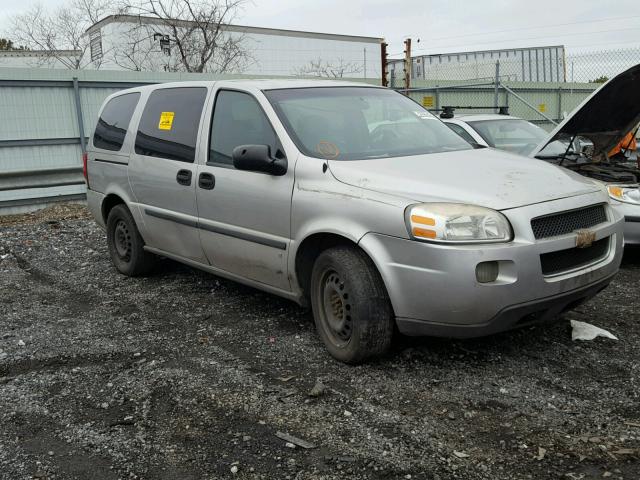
x: 182, y: 375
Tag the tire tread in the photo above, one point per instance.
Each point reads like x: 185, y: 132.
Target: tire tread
x: 142, y: 262
x: 376, y: 323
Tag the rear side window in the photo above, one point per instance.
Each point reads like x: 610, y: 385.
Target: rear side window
x: 169, y: 124
x: 114, y: 122
x: 238, y: 119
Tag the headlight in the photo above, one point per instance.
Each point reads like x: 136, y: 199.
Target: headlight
x: 456, y: 223
x: 624, y: 193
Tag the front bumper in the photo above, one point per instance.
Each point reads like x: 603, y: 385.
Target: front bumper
x: 516, y: 316
x: 434, y: 291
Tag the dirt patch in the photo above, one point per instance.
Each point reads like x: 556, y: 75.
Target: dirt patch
x: 55, y: 213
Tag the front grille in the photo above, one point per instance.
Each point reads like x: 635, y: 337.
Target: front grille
x: 561, y: 261
x: 567, y: 222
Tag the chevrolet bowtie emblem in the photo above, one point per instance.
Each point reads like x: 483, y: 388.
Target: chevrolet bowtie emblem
x: 585, y: 238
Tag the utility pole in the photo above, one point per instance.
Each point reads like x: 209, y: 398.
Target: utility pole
x: 407, y: 64
x: 383, y: 61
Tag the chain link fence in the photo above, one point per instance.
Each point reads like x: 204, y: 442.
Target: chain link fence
x: 540, y: 85
x: 599, y: 66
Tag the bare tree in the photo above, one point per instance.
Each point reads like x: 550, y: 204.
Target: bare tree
x: 137, y: 49
x: 191, y: 33
x: 54, y: 32
x: 321, y: 68
x: 6, y: 44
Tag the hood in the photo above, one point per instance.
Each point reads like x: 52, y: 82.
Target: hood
x: 484, y: 177
x: 605, y: 117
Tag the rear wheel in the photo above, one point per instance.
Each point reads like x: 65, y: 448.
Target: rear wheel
x: 126, y: 246
x: 351, y: 308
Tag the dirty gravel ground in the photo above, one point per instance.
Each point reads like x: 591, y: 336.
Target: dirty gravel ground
x: 183, y: 375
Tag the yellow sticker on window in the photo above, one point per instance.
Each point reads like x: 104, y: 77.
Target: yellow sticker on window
x: 427, y: 101
x: 166, y: 120
x: 542, y: 107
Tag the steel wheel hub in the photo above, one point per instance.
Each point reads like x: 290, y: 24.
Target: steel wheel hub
x: 122, y: 241
x: 336, y: 307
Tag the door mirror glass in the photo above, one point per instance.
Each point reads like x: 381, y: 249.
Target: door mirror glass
x: 257, y: 158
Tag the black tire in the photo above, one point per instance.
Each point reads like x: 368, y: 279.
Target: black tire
x: 126, y: 246
x: 351, y: 308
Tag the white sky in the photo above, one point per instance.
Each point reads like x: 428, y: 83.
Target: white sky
x: 443, y: 25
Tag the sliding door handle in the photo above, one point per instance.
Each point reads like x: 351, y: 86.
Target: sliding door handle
x: 184, y: 177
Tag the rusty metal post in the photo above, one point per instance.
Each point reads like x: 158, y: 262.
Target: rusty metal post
x: 407, y: 64
x: 383, y: 58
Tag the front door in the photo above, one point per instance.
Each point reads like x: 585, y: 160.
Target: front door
x: 244, y: 217
x: 162, y: 171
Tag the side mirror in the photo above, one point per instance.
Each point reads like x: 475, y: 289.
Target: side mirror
x: 257, y: 158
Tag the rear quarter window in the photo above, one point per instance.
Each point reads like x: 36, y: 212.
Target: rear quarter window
x: 169, y: 124
x: 114, y: 121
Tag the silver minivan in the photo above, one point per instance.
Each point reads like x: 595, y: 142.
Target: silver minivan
x: 350, y: 198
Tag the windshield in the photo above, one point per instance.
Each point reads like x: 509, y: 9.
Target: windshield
x: 357, y: 123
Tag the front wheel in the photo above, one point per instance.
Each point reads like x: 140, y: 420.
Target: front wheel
x: 126, y: 246
x: 351, y: 308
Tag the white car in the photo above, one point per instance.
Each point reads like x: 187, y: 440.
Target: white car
x: 579, y: 143
x: 503, y: 132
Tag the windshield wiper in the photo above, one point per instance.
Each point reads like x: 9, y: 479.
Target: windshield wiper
x: 560, y: 156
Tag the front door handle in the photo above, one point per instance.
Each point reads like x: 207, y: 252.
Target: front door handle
x: 184, y: 177
x: 206, y: 181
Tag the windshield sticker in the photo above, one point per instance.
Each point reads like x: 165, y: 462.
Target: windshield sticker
x: 328, y: 149
x: 424, y: 116
x: 166, y: 120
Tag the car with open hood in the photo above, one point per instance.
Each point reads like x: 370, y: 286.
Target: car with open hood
x: 580, y: 143
x: 349, y: 198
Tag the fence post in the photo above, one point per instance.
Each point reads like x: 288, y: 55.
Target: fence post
x: 559, y: 117
x: 529, y: 105
x: 76, y: 94
x: 437, y: 95
x: 496, y: 87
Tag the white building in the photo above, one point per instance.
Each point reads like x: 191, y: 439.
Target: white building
x: 535, y: 64
x: 38, y: 58
x: 129, y: 42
